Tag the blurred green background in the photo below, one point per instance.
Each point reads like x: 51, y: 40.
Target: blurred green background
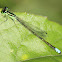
x: 50, y: 8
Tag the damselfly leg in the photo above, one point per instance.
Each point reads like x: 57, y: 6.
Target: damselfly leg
x: 5, y: 20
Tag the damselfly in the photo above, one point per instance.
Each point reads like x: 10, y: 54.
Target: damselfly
x: 25, y: 24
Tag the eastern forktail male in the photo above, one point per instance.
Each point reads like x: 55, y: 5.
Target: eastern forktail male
x: 26, y: 25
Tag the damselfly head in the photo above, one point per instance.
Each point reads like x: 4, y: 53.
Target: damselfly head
x: 4, y: 10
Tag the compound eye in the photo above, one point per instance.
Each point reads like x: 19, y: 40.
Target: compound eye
x: 6, y: 7
x: 3, y: 11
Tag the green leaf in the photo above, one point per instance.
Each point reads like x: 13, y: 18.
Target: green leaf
x: 57, y: 58
x: 19, y: 44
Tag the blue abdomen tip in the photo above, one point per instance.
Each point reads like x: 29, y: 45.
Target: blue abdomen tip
x: 57, y: 50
